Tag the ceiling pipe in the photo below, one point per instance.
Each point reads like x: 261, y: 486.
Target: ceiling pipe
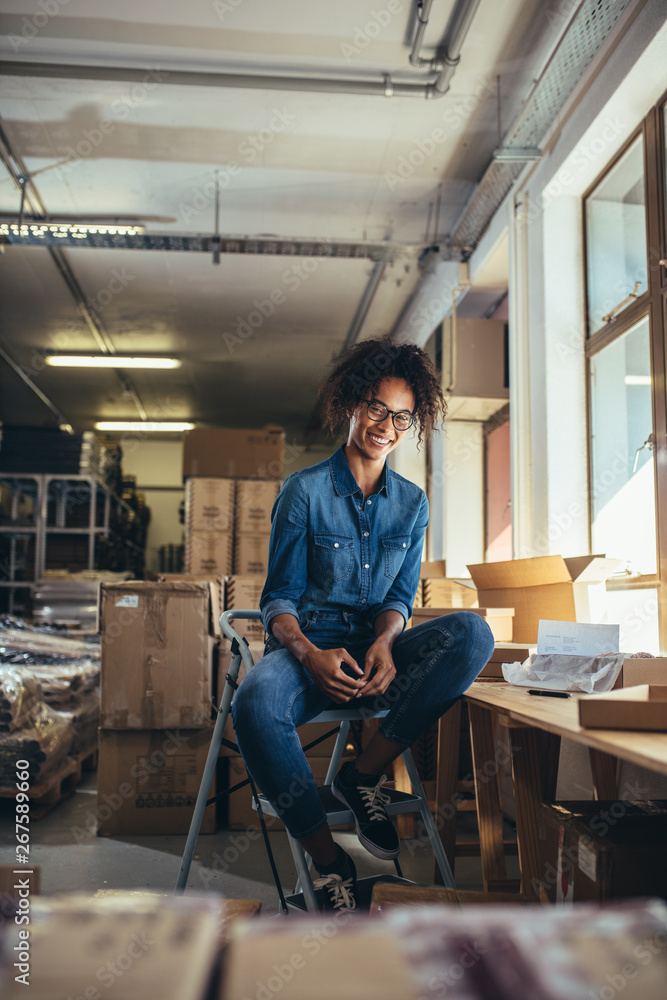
x: 18, y: 370
x: 423, y: 11
x: 457, y: 28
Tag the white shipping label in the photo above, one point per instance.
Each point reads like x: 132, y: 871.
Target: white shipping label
x: 587, y: 861
x: 128, y: 601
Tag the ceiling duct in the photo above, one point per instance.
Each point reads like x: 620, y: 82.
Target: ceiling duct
x: 588, y: 29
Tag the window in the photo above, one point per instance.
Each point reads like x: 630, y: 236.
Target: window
x: 616, y: 239
x: 622, y: 467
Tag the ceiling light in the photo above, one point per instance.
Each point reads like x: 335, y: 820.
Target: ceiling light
x: 637, y: 379
x: 109, y: 361
x: 61, y: 229
x: 143, y: 425
x: 516, y: 155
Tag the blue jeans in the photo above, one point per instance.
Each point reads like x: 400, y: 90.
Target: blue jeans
x: 435, y: 663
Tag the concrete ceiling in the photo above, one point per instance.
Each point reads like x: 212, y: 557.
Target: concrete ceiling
x: 315, y: 165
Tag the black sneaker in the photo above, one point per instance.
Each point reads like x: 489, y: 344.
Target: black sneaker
x: 364, y: 796
x: 337, y: 893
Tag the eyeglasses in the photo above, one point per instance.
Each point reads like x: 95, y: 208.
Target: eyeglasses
x: 402, y: 419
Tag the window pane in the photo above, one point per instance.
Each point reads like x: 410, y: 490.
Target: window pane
x: 616, y: 238
x: 623, y: 498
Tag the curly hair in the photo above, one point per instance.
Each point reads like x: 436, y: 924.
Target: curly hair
x: 357, y: 374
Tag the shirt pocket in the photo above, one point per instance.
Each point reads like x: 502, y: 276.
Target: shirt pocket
x: 333, y: 556
x: 395, y: 548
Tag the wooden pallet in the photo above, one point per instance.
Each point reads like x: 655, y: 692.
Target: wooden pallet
x: 48, y: 794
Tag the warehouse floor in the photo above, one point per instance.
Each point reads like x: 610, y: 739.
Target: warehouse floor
x: 73, y: 858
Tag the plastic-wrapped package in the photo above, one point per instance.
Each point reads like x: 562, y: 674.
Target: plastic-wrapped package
x: 35, y: 733
x: 66, y: 685
x: 563, y: 672
x: 23, y: 644
x: 20, y: 691
x: 84, y: 719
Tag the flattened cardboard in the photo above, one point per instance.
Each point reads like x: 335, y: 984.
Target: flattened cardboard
x: 499, y: 620
x: 251, y: 555
x: 209, y: 553
x: 535, y: 588
x: 641, y: 707
x: 156, y: 655
x: 254, y: 502
x: 220, y: 452
x: 443, y: 592
x: 210, y: 504
x: 148, y: 781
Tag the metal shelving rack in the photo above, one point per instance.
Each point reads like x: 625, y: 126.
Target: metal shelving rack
x: 54, y: 499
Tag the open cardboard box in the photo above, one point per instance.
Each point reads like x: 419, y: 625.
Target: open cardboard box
x: 544, y: 587
x: 499, y: 620
x: 641, y: 707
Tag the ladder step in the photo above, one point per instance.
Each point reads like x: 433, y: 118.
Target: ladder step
x: 337, y: 812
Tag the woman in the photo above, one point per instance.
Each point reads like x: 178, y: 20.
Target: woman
x: 346, y: 546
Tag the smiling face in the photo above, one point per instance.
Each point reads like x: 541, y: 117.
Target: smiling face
x: 372, y: 439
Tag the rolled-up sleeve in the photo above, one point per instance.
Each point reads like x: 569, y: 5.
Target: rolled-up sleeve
x: 288, y: 553
x: 401, y: 594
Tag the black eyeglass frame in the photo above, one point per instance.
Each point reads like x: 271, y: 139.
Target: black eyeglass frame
x: 394, y: 414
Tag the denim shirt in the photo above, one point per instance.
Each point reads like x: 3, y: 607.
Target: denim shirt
x: 331, y: 548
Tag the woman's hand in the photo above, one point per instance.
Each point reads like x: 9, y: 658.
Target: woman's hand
x: 325, y: 667
x: 379, y: 669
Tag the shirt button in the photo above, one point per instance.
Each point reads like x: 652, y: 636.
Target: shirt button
x: 336, y: 545
x: 366, y: 566
x: 363, y: 600
x: 403, y: 544
x: 369, y: 502
x: 365, y: 534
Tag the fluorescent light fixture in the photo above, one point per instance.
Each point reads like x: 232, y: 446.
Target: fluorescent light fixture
x: 143, y: 425
x: 109, y: 361
x: 637, y: 379
x: 516, y: 155
x: 61, y: 229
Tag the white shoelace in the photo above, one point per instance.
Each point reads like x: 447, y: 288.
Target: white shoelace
x: 339, y: 891
x: 375, y: 799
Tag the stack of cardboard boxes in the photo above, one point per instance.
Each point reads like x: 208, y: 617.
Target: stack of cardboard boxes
x: 155, y: 714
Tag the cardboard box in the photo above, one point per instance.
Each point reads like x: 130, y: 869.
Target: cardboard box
x: 254, y: 502
x: 352, y: 961
x: 641, y: 707
x: 442, y: 592
x: 597, y: 851
x: 251, y: 555
x: 210, y: 504
x: 217, y: 452
x: 535, y: 588
x: 643, y: 670
x: 589, y: 588
x: 506, y: 652
x: 244, y: 592
x: 433, y: 568
x: 216, y: 588
x: 156, y: 655
x: 499, y: 620
x: 209, y: 553
x: 147, y: 781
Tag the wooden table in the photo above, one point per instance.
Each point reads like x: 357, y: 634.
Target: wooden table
x: 535, y: 726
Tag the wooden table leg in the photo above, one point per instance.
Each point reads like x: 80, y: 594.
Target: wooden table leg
x: 603, y: 769
x: 535, y: 756
x: 489, y: 811
x: 449, y: 737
